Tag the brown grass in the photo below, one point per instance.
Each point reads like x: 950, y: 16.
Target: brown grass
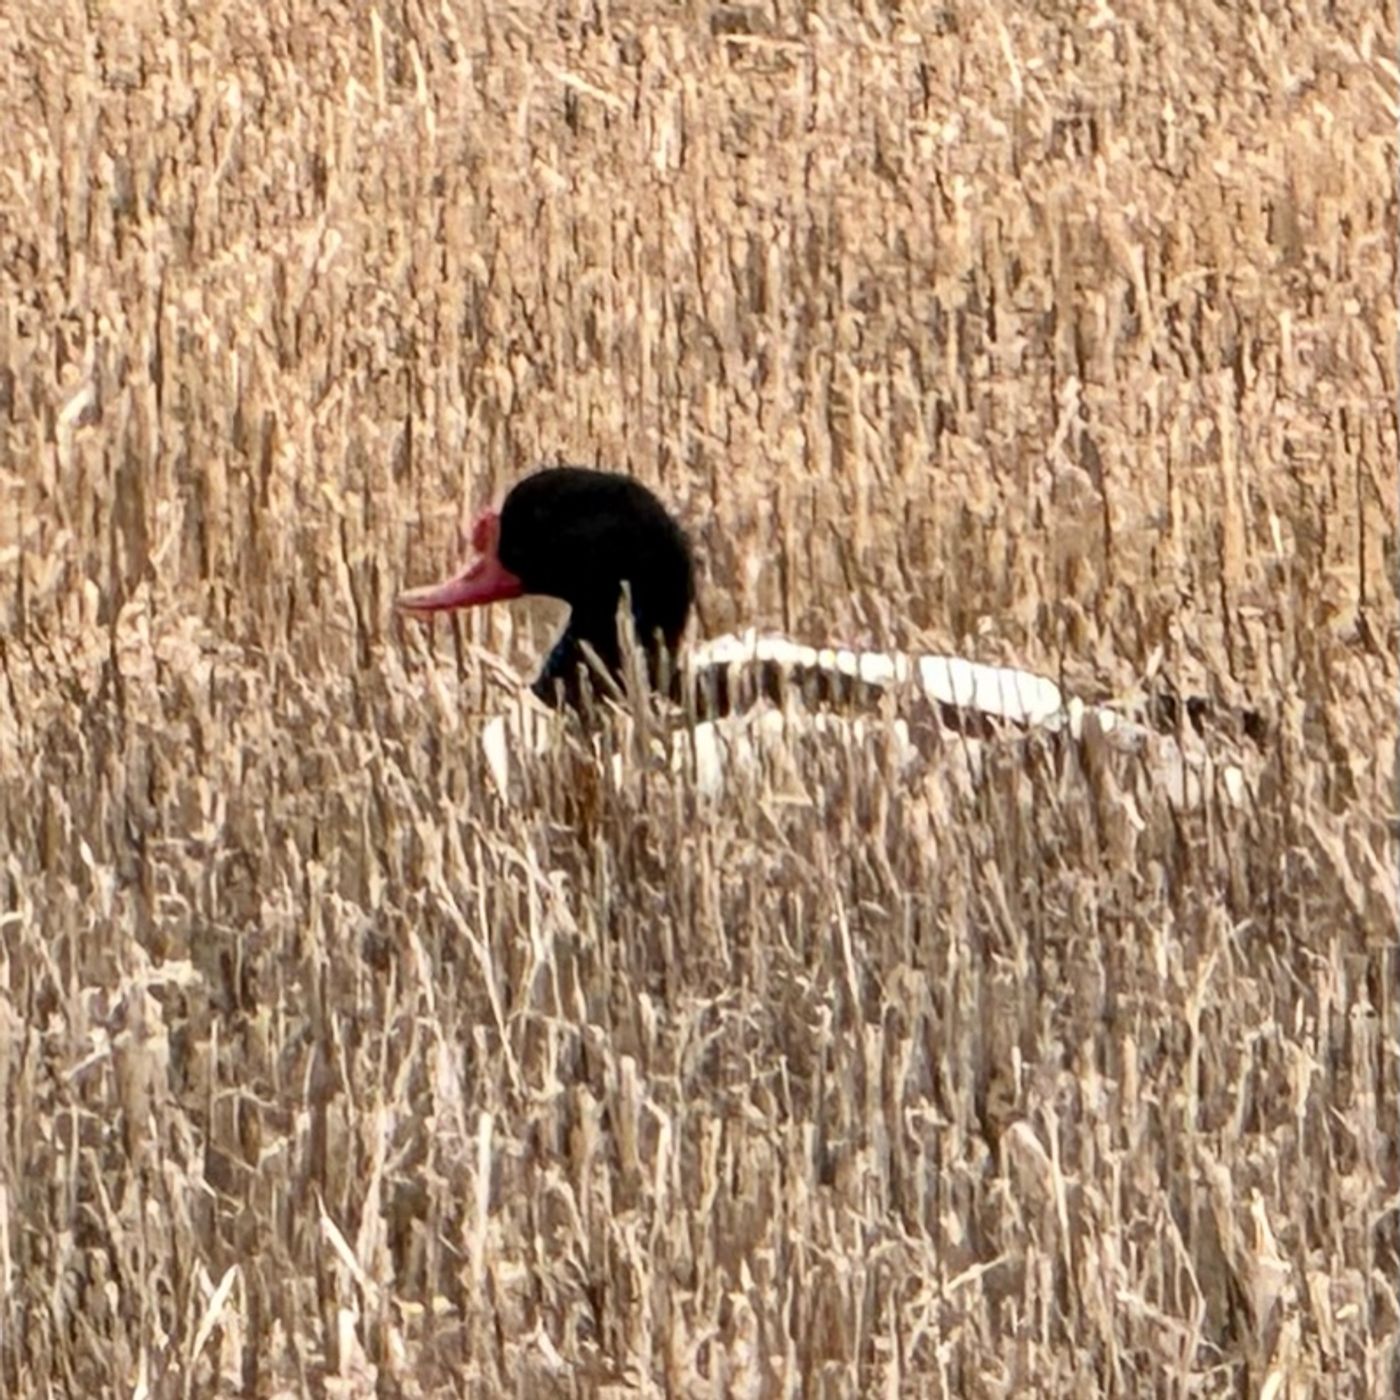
x: 1063, y: 334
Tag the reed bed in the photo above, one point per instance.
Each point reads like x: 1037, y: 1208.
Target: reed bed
x: 1062, y: 335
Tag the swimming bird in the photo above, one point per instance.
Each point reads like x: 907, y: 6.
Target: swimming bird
x: 605, y: 544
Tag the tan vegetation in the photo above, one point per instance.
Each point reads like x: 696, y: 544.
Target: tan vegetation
x: 1060, y: 334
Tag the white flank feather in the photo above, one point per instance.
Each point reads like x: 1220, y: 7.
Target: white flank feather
x: 712, y: 751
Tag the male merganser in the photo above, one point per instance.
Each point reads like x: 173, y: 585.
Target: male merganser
x: 592, y: 538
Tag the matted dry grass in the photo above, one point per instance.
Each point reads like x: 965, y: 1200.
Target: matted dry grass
x: 1060, y: 334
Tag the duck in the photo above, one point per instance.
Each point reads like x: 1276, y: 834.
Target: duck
x: 605, y: 544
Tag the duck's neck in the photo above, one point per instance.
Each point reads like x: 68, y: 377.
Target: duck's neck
x: 567, y: 669
x: 561, y: 679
